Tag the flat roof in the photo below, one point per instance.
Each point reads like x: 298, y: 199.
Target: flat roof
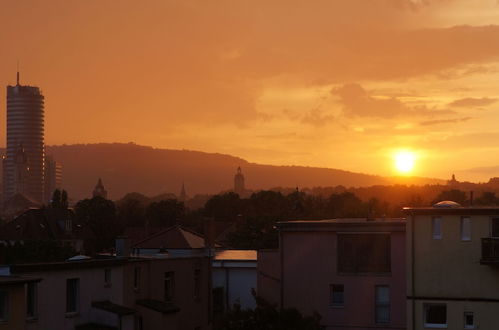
x: 355, y: 224
x: 236, y: 255
x: 14, y: 279
x: 472, y: 210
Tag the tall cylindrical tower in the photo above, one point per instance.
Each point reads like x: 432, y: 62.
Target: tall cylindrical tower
x: 25, y: 128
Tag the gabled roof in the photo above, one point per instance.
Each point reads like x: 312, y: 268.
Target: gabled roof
x: 175, y: 237
x: 44, y: 224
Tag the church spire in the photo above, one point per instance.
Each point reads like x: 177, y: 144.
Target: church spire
x: 17, y: 80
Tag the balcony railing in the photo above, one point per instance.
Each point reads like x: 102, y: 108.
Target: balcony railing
x: 490, y: 251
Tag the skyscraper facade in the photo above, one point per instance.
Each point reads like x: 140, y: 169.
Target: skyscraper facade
x: 25, y: 134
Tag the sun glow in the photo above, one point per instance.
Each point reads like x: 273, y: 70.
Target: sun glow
x: 404, y: 161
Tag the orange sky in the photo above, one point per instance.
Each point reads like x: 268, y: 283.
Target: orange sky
x: 332, y: 83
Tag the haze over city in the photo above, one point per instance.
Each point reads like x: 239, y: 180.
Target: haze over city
x: 338, y: 84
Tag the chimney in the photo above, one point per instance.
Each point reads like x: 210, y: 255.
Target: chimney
x: 122, y: 247
x: 471, y: 198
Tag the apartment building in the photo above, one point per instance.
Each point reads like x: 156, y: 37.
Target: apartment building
x: 17, y: 301
x: 122, y: 293
x: 452, y: 267
x: 350, y: 271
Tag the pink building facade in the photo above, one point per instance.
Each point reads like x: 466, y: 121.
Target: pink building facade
x: 350, y: 271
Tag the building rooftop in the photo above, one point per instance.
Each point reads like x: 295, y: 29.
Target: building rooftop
x: 451, y: 209
x: 395, y: 224
x: 174, y: 237
x: 236, y: 255
x: 14, y: 279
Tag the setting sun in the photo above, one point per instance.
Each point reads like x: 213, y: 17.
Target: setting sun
x: 404, y: 161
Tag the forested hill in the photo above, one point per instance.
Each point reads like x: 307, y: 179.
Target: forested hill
x: 129, y: 167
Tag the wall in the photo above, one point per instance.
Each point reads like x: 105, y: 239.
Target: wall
x: 310, y: 266
x: 268, y: 276
x: 450, y: 268
x: 238, y: 279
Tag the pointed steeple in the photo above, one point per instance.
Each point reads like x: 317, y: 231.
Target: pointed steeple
x: 183, y: 194
x: 99, y: 190
x: 17, y: 80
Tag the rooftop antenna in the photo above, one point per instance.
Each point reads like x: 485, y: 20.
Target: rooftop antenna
x: 18, y: 73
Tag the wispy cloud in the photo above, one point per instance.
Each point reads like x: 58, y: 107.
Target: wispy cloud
x: 471, y: 102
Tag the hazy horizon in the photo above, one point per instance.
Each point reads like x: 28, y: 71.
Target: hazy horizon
x: 326, y: 84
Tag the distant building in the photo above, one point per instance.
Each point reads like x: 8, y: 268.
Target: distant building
x: 183, y: 195
x: 239, y: 187
x: 99, y: 190
x: 350, y: 271
x: 453, y: 181
x: 47, y: 224
x: 452, y: 267
x: 53, y: 177
x: 25, y: 152
x: 21, y: 171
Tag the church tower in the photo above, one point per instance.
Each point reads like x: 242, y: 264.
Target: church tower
x: 99, y: 190
x: 239, y: 182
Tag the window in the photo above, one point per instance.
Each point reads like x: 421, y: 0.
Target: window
x: 136, y: 278
x: 437, y: 228
x: 169, y: 285
x: 435, y: 315
x: 469, y: 321
x: 364, y: 253
x: 197, y: 284
x: 495, y: 227
x: 382, y: 304
x: 336, y: 295
x: 465, y: 229
x: 107, y: 277
x: 4, y: 306
x: 72, y: 295
x: 31, y: 300
x: 139, y: 322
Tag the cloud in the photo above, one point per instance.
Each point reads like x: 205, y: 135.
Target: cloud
x: 317, y: 117
x: 444, y: 121
x: 356, y: 101
x: 471, y: 102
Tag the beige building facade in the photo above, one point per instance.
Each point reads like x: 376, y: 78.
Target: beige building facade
x: 452, y: 267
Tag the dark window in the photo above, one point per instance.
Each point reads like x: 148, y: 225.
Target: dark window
x: 469, y: 321
x: 136, y: 278
x: 218, y: 300
x: 336, y: 295
x: 107, y: 277
x: 31, y: 300
x: 139, y: 323
x: 495, y: 227
x: 4, y: 306
x: 169, y: 286
x: 382, y: 304
x: 72, y: 295
x: 197, y: 284
x: 435, y: 314
x: 364, y: 253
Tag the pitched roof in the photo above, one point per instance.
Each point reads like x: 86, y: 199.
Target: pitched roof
x: 175, y: 237
x: 45, y: 224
